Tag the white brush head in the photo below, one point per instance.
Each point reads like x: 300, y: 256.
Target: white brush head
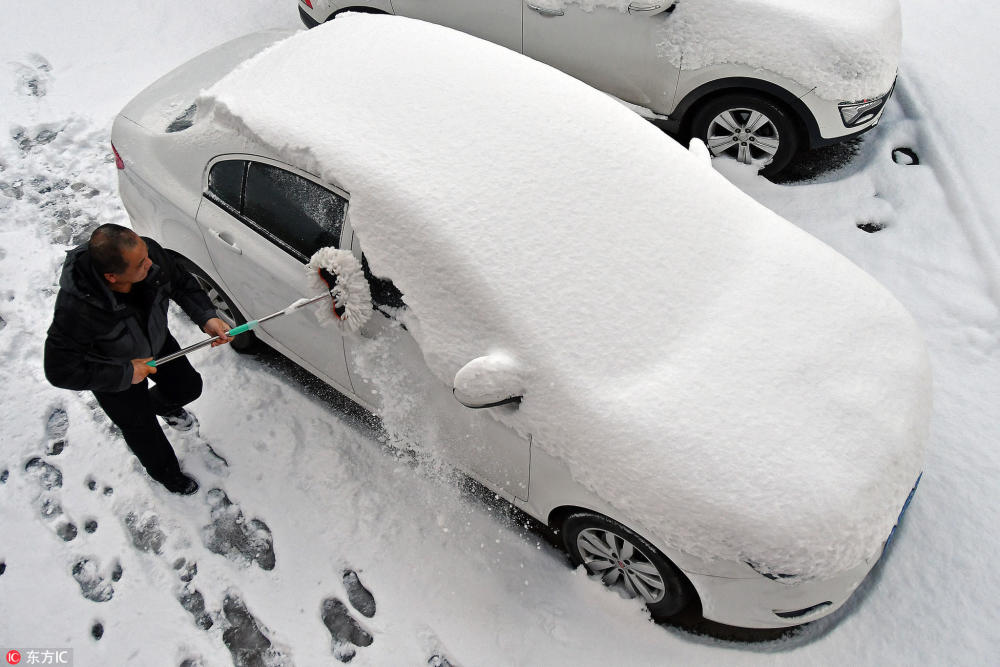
x: 351, y: 291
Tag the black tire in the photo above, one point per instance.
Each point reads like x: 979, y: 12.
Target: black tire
x: 246, y: 343
x: 676, y: 594
x: 712, y: 125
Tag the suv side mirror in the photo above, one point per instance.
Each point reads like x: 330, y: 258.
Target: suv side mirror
x: 486, y: 382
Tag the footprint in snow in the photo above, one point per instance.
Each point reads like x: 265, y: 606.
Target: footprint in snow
x: 48, y: 476
x: 345, y: 630
x: 49, y: 479
x: 33, y: 76
x: 189, y: 597
x: 246, y: 638
x: 27, y: 139
x: 193, y: 602
x: 231, y: 535
x: 93, y: 585
x: 56, y: 428
x: 214, y: 461
x: 145, y: 532
x: 359, y: 596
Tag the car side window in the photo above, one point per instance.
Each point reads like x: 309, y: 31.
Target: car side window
x: 297, y: 214
x: 225, y: 181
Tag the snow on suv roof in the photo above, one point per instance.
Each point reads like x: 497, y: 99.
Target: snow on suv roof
x: 735, y: 385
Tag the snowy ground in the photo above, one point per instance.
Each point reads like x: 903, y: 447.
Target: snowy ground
x: 86, y: 540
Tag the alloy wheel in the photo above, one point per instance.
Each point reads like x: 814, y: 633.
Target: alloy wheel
x: 620, y: 563
x: 745, y: 134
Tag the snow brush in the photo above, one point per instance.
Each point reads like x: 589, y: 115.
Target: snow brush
x: 341, y: 278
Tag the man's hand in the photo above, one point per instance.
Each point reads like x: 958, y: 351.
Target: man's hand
x: 216, y: 327
x: 140, y: 370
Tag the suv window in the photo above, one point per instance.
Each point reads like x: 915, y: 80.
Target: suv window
x: 299, y: 215
x: 225, y: 181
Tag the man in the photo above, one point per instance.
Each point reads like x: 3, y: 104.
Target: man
x: 110, y: 319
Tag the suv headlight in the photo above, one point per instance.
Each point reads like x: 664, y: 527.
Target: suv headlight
x: 862, y: 111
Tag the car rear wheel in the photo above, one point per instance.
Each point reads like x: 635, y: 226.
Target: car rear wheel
x: 246, y: 343
x: 749, y: 128
x: 622, y: 559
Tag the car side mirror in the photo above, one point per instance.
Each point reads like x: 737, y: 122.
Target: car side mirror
x: 487, y: 382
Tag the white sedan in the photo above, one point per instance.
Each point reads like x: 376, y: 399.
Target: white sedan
x: 712, y: 407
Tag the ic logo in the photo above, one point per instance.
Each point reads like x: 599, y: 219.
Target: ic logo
x: 13, y: 657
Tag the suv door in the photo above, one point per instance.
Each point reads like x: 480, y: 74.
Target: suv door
x: 611, y: 50
x: 497, y: 21
x: 393, y: 380
x: 261, y: 223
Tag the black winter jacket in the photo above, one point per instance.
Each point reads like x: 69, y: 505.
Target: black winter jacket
x: 94, y: 337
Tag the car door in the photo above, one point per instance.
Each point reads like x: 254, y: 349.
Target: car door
x: 611, y: 50
x: 261, y: 222
x: 497, y: 21
x: 389, y: 372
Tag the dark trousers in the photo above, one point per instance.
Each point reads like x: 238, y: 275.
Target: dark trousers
x: 134, y: 411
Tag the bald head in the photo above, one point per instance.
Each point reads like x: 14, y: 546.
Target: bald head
x: 108, y: 245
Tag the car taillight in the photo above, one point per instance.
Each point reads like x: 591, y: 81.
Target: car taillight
x: 118, y: 158
x: 308, y: 3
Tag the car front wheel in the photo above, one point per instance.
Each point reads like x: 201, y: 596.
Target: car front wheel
x: 748, y: 128
x: 623, y: 560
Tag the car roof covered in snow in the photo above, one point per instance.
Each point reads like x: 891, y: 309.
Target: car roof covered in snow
x: 697, y: 361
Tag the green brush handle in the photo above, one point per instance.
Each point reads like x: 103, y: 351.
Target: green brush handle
x: 235, y: 331
x: 243, y: 328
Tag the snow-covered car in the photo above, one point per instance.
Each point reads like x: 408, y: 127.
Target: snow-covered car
x: 754, y: 79
x: 712, y: 407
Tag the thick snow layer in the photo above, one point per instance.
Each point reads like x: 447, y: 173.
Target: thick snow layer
x: 846, y: 50
x: 731, y: 383
x: 450, y: 579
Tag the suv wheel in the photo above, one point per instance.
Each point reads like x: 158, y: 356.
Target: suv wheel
x: 622, y: 559
x: 749, y: 128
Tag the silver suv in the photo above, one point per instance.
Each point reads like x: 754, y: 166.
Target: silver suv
x: 755, y: 80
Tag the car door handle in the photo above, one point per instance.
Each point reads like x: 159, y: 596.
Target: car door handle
x: 545, y: 11
x: 646, y: 7
x: 228, y: 245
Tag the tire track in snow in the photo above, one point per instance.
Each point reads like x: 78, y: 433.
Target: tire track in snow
x: 970, y: 210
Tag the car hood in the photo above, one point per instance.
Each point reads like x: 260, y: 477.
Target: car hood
x: 715, y: 373
x: 847, y: 50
